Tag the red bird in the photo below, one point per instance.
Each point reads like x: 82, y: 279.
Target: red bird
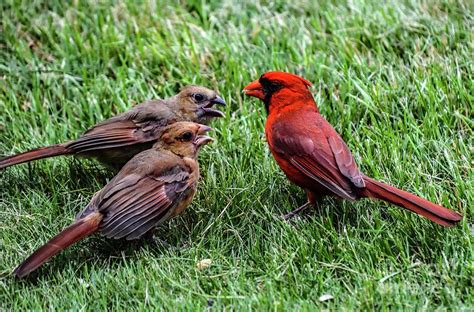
x: 313, y: 155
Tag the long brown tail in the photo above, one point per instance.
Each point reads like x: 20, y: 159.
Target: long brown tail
x: 73, y: 233
x: 434, y: 212
x: 37, y: 153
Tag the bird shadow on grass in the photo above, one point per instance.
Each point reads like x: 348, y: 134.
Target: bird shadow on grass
x: 77, y: 174
x: 99, y: 253
x: 328, y: 208
x: 376, y: 222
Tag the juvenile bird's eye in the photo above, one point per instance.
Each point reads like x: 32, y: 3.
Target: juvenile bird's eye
x: 198, y: 97
x: 187, y: 136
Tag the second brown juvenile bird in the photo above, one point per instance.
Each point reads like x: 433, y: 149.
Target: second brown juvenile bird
x: 154, y: 186
x: 116, y: 140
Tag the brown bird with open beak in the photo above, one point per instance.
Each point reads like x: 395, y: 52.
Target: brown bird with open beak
x: 315, y: 157
x: 116, y: 140
x: 153, y: 187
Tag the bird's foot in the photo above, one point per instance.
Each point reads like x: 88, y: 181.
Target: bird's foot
x: 160, y: 242
x: 289, y: 216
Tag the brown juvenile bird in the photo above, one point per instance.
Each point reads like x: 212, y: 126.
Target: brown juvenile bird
x: 154, y: 186
x: 116, y: 140
x: 315, y: 157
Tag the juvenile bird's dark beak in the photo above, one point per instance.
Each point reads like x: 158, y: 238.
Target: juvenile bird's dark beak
x: 203, y: 129
x: 211, y: 112
x: 255, y: 89
x: 203, y: 140
x: 219, y: 101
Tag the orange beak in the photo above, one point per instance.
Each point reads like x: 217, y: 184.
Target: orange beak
x: 255, y: 89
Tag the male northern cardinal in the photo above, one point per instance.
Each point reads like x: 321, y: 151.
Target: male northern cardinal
x: 116, y: 140
x: 313, y: 155
x: 154, y: 186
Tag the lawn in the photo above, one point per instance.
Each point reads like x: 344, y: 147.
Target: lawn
x: 396, y: 80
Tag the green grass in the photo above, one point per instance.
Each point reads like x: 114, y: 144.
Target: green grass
x: 396, y: 80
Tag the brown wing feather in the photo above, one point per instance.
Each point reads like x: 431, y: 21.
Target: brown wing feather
x: 114, y: 134
x: 146, y: 192
x: 148, y: 215
x: 133, y: 205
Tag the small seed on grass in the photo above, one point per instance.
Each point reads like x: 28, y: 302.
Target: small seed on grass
x: 204, y: 264
x: 26, y: 106
x: 325, y: 297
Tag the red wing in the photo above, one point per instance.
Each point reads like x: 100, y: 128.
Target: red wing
x: 317, y: 151
x: 312, y: 170
x: 344, y: 160
x: 114, y: 134
x: 135, y: 204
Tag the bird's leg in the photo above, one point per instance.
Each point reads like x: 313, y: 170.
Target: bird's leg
x: 164, y: 243
x: 150, y: 237
x: 312, y: 200
x: 290, y: 215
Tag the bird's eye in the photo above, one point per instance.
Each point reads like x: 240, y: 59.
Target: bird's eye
x: 187, y: 136
x: 274, y: 86
x: 198, y: 97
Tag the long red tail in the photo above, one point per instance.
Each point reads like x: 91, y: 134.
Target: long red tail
x: 73, y: 233
x: 434, y: 212
x: 37, y: 153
